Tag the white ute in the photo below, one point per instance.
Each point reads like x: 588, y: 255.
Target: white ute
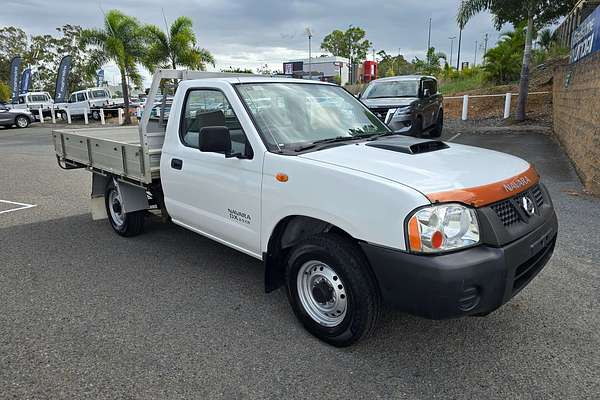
x: 345, y: 214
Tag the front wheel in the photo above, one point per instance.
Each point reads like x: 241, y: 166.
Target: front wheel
x: 332, y: 290
x: 22, y: 121
x: 125, y: 224
x: 96, y: 115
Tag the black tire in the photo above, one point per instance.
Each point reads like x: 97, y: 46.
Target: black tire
x: 131, y: 224
x: 348, y: 262
x: 22, y: 121
x: 96, y: 115
x: 63, y: 115
x: 439, y: 126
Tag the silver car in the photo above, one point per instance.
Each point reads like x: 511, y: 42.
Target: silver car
x: 20, y: 118
x: 409, y: 104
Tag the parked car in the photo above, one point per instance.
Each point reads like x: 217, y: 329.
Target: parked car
x: 409, y: 104
x: 343, y: 212
x: 21, y: 118
x: 33, y: 101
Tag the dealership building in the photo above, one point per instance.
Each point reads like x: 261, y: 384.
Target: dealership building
x: 319, y: 68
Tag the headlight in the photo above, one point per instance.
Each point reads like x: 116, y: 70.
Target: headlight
x: 402, y: 111
x: 442, y: 227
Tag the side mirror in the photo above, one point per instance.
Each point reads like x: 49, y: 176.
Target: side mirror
x: 427, y: 93
x: 359, y: 95
x: 215, y: 139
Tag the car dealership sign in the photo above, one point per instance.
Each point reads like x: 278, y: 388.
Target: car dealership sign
x: 586, y: 38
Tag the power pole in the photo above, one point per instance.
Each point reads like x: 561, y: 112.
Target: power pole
x: 451, y: 47
x: 428, y: 42
x: 308, y: 33
x: 458, y: 55
x: 485, y: 40
x: 475, y: 59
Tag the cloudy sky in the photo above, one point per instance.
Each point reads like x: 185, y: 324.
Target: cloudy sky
x: 252, y: 33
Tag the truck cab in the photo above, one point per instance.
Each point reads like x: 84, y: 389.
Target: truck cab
x: 408, y: 104
x: 345, y: 213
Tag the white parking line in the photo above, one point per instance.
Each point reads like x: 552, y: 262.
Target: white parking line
x: 20, y: 206
x: 455, y: 136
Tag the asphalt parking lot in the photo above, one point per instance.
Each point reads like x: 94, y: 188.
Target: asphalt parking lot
x: 85, y: 313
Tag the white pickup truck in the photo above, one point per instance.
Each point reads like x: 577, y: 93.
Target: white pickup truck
x: 90, y: 101
x: 345, y: 214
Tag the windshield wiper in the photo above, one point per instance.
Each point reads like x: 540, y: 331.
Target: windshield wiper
x: 336, y: 139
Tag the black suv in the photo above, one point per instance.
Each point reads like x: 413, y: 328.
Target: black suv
x: 408, y: 104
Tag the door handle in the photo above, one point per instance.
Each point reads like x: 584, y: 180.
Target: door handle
x: 176, y: 163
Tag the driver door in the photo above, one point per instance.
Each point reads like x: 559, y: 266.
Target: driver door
x: 210, y: 193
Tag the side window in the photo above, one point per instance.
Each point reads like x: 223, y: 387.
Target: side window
x: 73, y: 98
x: 80, y: 97
x: 431, y: 85
x: 209, y: 107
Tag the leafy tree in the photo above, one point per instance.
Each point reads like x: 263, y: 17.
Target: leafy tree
x: 122, y: 41
x: 13, y: 42
x: 503, y: 62
x: 5, y: 92
x: 537, y: 13
x: 175, y: 48
x: 393, y: 65
x: 348, y: 44
x: 545, y: 39
x: 238, y: 70
x: 43, y: 54
x: 431, y: 65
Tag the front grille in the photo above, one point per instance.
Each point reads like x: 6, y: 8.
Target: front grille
x: 381, y: 113
x: 506, y: 209
x: 526, y: 271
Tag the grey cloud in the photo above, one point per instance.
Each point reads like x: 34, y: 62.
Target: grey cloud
x: 269, y: 31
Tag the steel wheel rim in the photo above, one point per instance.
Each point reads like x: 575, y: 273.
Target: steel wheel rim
x: 115, y: 207
x: 21, y: 122
x: 322, y: 293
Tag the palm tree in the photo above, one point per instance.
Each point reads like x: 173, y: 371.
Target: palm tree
x: 121, y: 40
x: 545, y: 39
x: 536, y: 13
x: 177, y: 47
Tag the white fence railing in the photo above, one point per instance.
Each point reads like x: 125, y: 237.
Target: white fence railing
x: 67, y: 113
x: 507, y: 101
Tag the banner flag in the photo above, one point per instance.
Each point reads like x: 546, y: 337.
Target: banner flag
x: 25, y: 81
x: 62, y: 80
x: 15, y: 65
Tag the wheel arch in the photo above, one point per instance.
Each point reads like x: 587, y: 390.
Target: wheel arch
x: 286, y: 233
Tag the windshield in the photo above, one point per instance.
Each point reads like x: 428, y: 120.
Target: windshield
x: 293, y: 114
x: 404, y: 88
x: 99, y: 94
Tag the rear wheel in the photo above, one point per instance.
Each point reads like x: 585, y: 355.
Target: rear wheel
x: 125, y: 224
x: 22, y: 121
x: 332, y: 290
x: 439, y: 126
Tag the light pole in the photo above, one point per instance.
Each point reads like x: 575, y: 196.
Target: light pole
x: 451, y: 47
x: 308, y: 33
x: 429, y: 43
x: 475, y: 59
x: 458, y: 55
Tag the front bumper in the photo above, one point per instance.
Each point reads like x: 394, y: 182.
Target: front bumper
x: 472, y: 281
